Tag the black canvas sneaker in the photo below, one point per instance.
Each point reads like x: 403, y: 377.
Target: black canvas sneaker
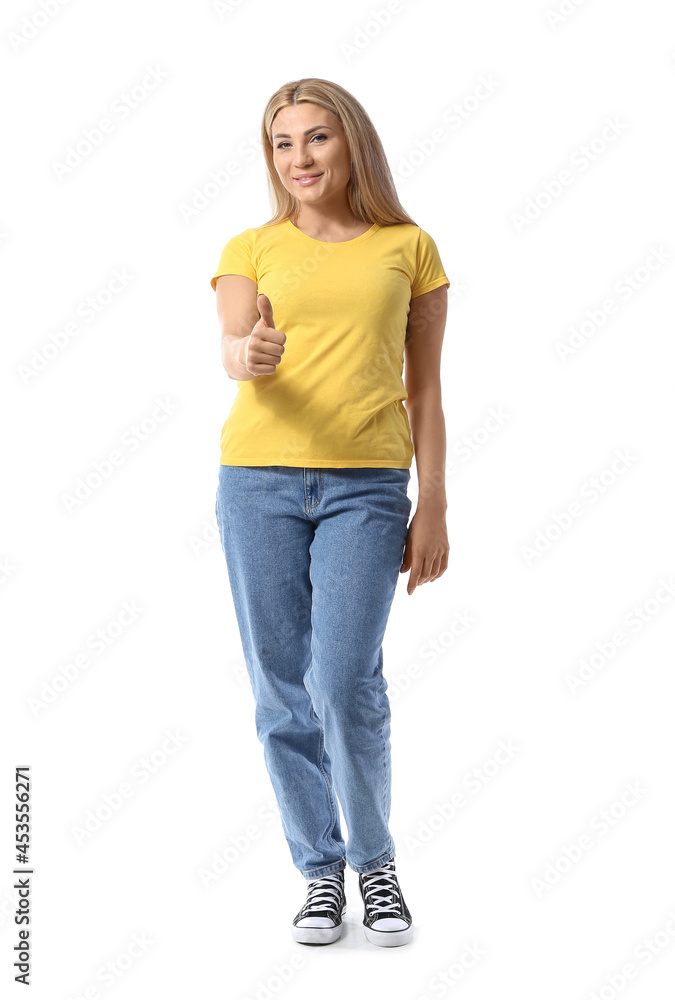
x: 387, y: 919
x: 320, y: 919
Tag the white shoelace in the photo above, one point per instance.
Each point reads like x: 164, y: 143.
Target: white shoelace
x: 383, y: 897
x: 323, y: 893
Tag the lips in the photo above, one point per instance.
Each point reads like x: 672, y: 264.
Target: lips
x: 304, y: 177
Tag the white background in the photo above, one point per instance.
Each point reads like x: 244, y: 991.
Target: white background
x: 493, y: 875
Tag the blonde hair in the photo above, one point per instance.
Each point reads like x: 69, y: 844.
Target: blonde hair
x: 371, y: 191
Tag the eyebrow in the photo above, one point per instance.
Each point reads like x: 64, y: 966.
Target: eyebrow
x: 285, y: 135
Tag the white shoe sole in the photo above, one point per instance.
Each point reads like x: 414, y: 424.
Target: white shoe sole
x: 389, y: 939
x: 317, y: 935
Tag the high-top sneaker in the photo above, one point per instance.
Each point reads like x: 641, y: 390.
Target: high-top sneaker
x: 387, y: 919
x: 320, y: 919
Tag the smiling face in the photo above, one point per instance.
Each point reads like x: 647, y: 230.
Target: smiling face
x: 309, y: 140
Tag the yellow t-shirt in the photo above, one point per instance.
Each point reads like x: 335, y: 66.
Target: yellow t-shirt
x: 336, y: 397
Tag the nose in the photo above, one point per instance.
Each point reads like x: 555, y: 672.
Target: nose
x: 304, y: 156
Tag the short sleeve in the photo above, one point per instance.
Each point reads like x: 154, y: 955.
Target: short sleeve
x: 429, y: 273
x: 236, y: 258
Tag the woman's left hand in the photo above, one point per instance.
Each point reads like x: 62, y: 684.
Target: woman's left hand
x: 426, y: 547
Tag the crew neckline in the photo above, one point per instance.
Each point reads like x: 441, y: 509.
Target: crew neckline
x: 337, y: 243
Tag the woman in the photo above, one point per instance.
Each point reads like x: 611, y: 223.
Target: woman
x: 317, y: 308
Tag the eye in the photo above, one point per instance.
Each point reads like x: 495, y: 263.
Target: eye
x: 318, y: 135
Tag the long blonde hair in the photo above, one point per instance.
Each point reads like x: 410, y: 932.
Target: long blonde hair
x: 371, y: 191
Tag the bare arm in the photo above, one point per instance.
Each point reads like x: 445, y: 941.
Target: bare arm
x: 236, y: 298
x: 427, y: 547
x: 426, y: 327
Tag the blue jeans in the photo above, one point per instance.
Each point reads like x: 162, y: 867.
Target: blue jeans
x: 313, y: 558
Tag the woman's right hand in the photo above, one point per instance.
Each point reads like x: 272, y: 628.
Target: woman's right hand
x: 264, y: 345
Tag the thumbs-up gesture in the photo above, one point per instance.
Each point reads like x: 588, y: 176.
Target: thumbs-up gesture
x: 265, y: 344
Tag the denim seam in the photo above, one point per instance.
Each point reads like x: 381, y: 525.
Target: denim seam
x: 385, y: 788
x: 333, y: 812
x: 311, y: 506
